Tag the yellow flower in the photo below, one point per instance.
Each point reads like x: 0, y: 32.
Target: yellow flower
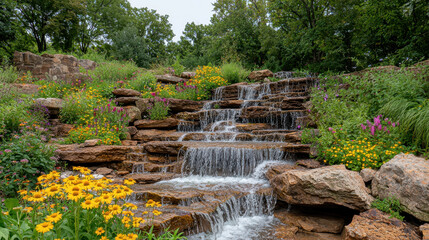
x: 115, y: 209
x: 104, y: 238
x: 156, y: 212
x: 150, y: 203
x: 89, y: 204
x: 99, y: 231
x: 75, y: 196
x: 132, y: 236
x: 54, y: 217
x: 44, y: 227
x: 36, y: 197
x: 129, y: 181
x: 28, y: 209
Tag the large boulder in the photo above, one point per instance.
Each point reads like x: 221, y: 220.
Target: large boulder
x: 260, y: 75
x: 133, y: 113
x: 405, y: 177
x: 333, y: 185
x: 29, y: 89
x: 168, y: 79
x: 376, y: 225
x: 425, y: 231
x: 54, y: 105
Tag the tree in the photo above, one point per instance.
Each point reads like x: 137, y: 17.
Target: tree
x: 145, y: 39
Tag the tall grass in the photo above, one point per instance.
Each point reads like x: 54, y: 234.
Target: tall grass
x: 413, y: 117
x: 234, y: 72
x: 8, y: 74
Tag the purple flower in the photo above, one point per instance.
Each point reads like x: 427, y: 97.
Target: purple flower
x: 309, y: 110
x: 24, y: 160
x: 363, y: 127
x: 326, y: 97
x: 393, y: 124
x: 298, y: 127
x: 372, y: 130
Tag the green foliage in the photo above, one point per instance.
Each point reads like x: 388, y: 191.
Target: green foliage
x: 7, y: 93
x: 22, y: 160
x: 389, y: 205
x: 143, y: 81
x: 79, y: 104
x: 158, y: 110
x: 112, y: 72
x: 8, y: 74
x: 178, y: 68
x: 234, y: 72
x: 413, y: 117
x: 12, y: 115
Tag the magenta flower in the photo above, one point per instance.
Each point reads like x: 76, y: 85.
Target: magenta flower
x: 153, y: 94
x: 298, y: 127
x: 372, y: 130
x: 363, y: 127
x: 393, y: 124
x: 7, y: 151
x: 24, y: 160
x: 330, y: 129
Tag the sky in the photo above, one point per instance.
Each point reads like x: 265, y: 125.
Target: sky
x: 180, y: 12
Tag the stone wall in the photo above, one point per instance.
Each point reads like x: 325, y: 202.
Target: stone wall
x: 56, y: 66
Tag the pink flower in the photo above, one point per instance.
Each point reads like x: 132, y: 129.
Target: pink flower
x: 372, y: 130
x: 7, y: 151
x: 330, y: 129
x: 153, y: 94
x: 298, y: 127
x: 393, y: 124
x: 363, y: 127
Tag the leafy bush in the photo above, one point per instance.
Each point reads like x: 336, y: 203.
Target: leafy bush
x: 7, y: 93
x: 12, y: 116
x: 81, y: 103
x: 107, y: 123
x: 77, y: 207
x: 8, y: 74
x: 158, y: 110
x: 177, y: 67
x: 234, y: 72
x: 389, y: 205
x: 143, y: 82
x: 22, y: 160
x: 57, y: 89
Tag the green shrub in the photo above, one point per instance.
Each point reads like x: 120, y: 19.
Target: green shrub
x: 178, y: 68
x: 8, y: 74
x: 158, y: 110
x: 22, y: 160
x: 12, y: 116
x: 234, y: 72
x: 143, y: 82
x: 7, y: 93
x: 389, y: 205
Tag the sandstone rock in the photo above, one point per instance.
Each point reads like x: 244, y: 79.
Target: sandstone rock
x: 128, y: 136
x: 132, y: 130
x: 276, y: 170
x: 99, y: 154
x: 143, y: 104
x: 56, y: 66
x: 91, y: 143
x: 425, y: 231
x: 87, y: 64
x: 127, y: 100
x: 29, y: 89
x: 129, y: 143
x: 167, y: 79
x: 405, y: 177
x: 183, y: 105
x: 308, y: 163
x: 157, y: 135
x: 122, y: 173
x: 243, y: 127
x: 147, y: 178
x: 376, y: 225
x: 323, y: 186
x: 260, y: 75
x: 123, y: 92
x: 367, y: 174
x: 168, y: 123
x: 310, y: 222
x: 133, y: 113
x: 62, y: 130
x: 104, y: 171
x: 54, y: 105
x: 187, y: 75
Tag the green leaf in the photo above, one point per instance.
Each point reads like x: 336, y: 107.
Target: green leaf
x: 4, y: 234
x: 10, y: 203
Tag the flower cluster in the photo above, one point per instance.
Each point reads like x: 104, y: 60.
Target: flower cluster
x: 77, y: 207
x: 207, y: 78
x: 106, y: 123
x: 158, y: 109
x: 379, y: 127
x: 363, y: 153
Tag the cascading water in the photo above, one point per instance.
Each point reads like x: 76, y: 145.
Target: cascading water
x: 229, y: 175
